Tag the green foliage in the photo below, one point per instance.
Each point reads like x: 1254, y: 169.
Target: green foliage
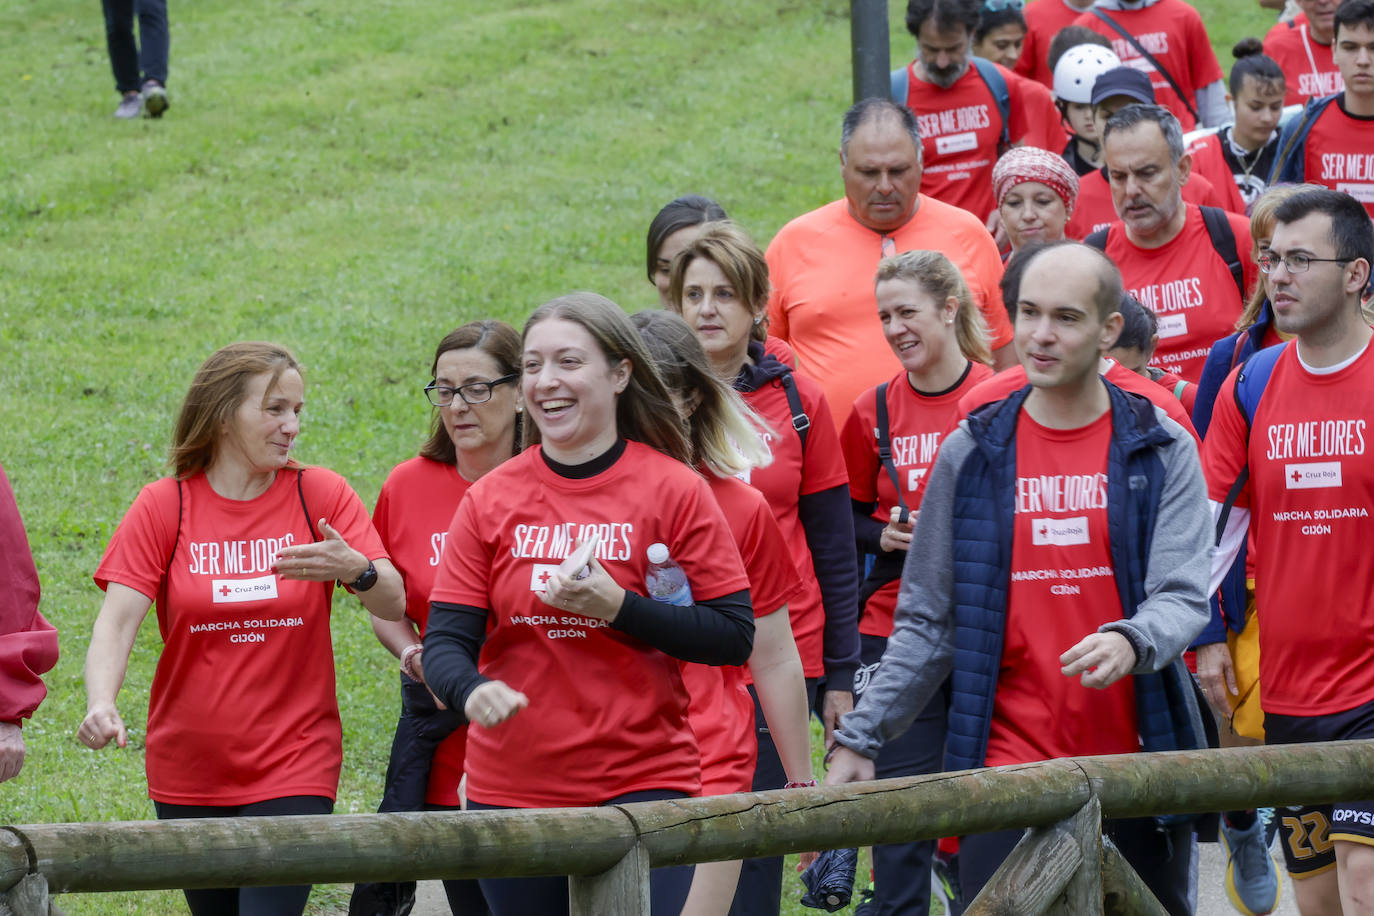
x: 351, y: 179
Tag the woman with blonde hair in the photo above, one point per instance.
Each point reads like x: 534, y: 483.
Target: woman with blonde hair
x: 719, y: 284
x: 726, y: 441
x: 890, y: 442
x: 240, y: 548
x: 540, y: 630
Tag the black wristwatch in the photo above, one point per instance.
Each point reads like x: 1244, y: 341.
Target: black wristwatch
x: 366, y: 580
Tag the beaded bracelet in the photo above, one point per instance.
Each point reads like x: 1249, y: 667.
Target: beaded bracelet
x: 407, y: 660
x: 809, y: 784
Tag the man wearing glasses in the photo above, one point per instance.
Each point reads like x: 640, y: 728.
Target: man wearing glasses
x: 1287, y: 453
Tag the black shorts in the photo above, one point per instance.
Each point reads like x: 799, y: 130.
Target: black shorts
x: 1309, y: 832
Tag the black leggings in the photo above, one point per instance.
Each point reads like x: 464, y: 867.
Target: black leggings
x: 668, y: 887
x: 248, y: 901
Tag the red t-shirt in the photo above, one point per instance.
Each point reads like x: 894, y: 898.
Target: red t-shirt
x: 789, y: 477
x: 1095, y: 210
x: 1310, y: 71
x: 412, y: 517
x: 721, y: 710
x: 1173, y: 33
x: 1210, y: 163
x: 822, y: 265
x: 1185, y: 391
x: 1044, y: 123
x: 916, y: 423
x: 1014, y: 379
x: 1063, y: 588
x: 243, y: 705
x: 1188, y: 286
x: 1044, y: 19
x: 1338, y: 155
x: 960, y: 129
x: 1310, y: 492
x: 607, y: 713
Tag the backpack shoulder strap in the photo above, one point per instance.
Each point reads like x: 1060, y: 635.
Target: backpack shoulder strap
x: 1098, y: 239
x: 1224, y: 241
x: 884, y: 434
x: 997, y: 85
x: 1173, y: 83
x: 300, y: 491
x: 176, y: 536
x: 897, y: 85
x: 800, y: 421
x: 1297, y: 143
x: 1250, y: 385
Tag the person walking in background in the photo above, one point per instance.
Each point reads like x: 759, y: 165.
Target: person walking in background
x: 28, y: 643
x: 139, y: 64
x: 719, y: 284
x: 475, y: 392
x: 241, y: 549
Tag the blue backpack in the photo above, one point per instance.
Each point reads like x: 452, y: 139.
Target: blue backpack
x: 1250, y: 383
x: 995, y: 81
x: 1290, y: 163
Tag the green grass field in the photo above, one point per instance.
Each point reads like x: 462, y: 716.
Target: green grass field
x: 351, y: 179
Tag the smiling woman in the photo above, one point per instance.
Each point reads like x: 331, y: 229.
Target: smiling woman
x: 240, y: 548
x: 569, y: 673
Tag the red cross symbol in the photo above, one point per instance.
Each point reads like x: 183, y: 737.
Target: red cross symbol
x: 1044, y: 530
x: 224, y: 590
x: 544, y: 578
x: 1296, y: 477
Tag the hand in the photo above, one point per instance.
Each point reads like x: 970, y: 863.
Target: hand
x: 1217, y: 677
x: 999, y: 231
x: 897, y: 535
x: 834, y: 704
x: 325, y: 560
x: 848, y: 766
x: 1102, y: 659
x: 101, y: 726
x: 492, y: 703
x: 11, y: 751
x: 596, y: 595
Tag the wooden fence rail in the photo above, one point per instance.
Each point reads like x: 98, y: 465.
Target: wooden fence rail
x: 612, y: 848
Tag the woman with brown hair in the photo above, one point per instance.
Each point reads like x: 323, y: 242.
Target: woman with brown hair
x: 475, y: 426
x: 540, y: 629
x: 240, y: 548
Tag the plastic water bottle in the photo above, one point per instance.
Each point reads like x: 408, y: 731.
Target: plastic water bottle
x: 665, y: 579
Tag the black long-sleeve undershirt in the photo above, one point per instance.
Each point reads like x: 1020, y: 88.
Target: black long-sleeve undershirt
x: 715, y: 632
x: 868, y: 531
x: 828, y: 524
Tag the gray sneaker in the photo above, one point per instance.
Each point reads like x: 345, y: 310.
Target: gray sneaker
x: 131, y: 106
x: 155, y: 100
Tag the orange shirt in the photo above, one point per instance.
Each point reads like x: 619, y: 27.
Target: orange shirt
x: 822, y: 266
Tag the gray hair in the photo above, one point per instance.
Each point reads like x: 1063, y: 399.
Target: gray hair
x: 1132, y: 115
x: 875, y: 108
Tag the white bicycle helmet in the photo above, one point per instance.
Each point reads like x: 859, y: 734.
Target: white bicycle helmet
x: 1079, y: 68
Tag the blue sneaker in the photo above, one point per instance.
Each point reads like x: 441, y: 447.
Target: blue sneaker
x: 1252, y: 880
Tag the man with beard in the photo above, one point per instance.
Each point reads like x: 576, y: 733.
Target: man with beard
x: 1171, y: 252
x: 968, y: 109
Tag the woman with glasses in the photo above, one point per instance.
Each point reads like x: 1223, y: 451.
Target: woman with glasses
x: 241, y: 548
x: 475, y: 427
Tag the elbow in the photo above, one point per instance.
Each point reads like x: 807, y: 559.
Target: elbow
x: 741, y: 646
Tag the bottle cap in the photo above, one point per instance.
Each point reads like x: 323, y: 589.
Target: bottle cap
x: 658, y: 553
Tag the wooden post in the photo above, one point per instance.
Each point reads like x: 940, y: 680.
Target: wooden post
x: 1123, y: 891
x: 27, y: 898
x: 1032, y: 877
x: 621, y: 890
x: 1083, y: 894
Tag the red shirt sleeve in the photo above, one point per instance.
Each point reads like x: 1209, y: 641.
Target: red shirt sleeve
x: 28, y: 643
x: 773, y: 578
x: 465, y: 568
x: 1225, y: 451
x: 860, y: 448
x: 141, y: 546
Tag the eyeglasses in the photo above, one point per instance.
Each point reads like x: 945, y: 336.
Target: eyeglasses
x: 471, y: 393
x: 1296, y: 262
